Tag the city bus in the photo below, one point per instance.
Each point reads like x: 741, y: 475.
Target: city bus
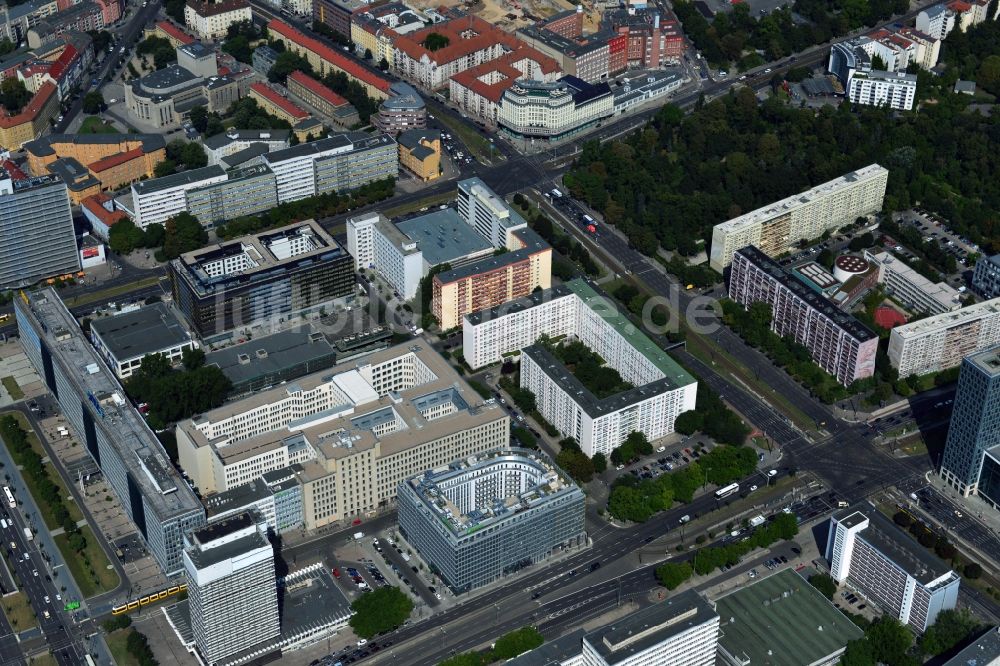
x: 10, y: 497
x: 731, y: 489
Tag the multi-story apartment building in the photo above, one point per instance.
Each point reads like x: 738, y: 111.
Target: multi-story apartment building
x: 337, y: 163
x: 986, y: 276
x: 245, y: 191
x: 324, y: 59
x: 211, y: 20
x: 576, y: 310
x: 235, y: 140
x: 778, y: 226
x: 420, y: 153
x: 232, y: 589
x: 36, y: 230
x: 975, y: 428
x: 524, y: 267
x: 911, y: 288
x: 167, y: 30
x: 155, y: 201
x: 927, y: 48
x: 404, y: 109
x: 471, y: 41
x: 480, y: 89
x: 273, y: 102
x: 937, y: 21
x: 553, y: 111
x: 130, y: 457
x: 357, y: 430
x: 894, y: 90
x: 838, y: 342
x: 652, y: 41
x: 112, y: 160
x: 27, y: 125
x: 17, y: 19
x: 85, y: 16
x: 317, y: 96
x: 277, y: 273
x: 683, y: 630
x: 869, y: 553
x: 587, y: 57
x: 479, y: 519
x: 127, y: 338
x: 942, y: 341
x: 466, y: 236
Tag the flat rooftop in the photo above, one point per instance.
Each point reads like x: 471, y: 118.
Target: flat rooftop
x: 203, y: 557
x: 344, y: 429
x: 897, y: 545
x: 544, y: 482
x: 178, y: 179
x: 532, y: 244
x: 987, y: 361
x: 782, y: 620
x: 242, y: 135
x: 817, y: 302
x: 148, y: 330
x: 443, y: 236
x: 941, y: 292
x: 272, y: 354
x: 985, y: 651
x: 165, y: 493
x: 947, y: 320
x: 639, y: 631
x: 789, y: 204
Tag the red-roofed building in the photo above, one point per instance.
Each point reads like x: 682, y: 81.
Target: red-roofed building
x: 272, y: 101
x: 478, y: 90
x: 324, y: 59
x: 13, y: 170
x: 169, y: 31
x: 112, y: 161
x: 471, y: 42
x: 211, y: 20
x: 314, y: 94
x: 99, y: 209
x: 20, y: 128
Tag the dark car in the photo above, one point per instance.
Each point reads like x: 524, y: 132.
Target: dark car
x: 594, y: 566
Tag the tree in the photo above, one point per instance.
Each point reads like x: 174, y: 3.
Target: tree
x: 576, y: 464
x: 124, y: 237
x: 637, y: 440
x: 379, y: 611
x: 183, y: 233
x: 383, y: 64
x: 858, y: 653
x: 199, y: 118
x: 516, y: 642
x: 890, y: 640
x: 153, y: 235
x: 102, y: 40
x: 902, y: 519
x: 13, y: 95
x: 972, y: 571
x: 600, y: 462
x: 368, y: 54
x: 239, y: 48
x: 93, y: 102
x: 164, y: 168
x: 825, y: 584
x: 192, y: 358
x: 672, y: 574
x: 945, y: 549
x: 6, y: 46
x: 988, y: 77
x: 689, y: 422
x: 435, y: 41
x: 286, y: 63
x: 951, y: 628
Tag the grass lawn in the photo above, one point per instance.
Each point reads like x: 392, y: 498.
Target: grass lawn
x: 10, y: 384
x: 477, y: 144
x: 113, y: 291
x: 43, y: 660
x: 103, y: 579
x: 47, y: 516
x: 426, y: 202
x: 18, y: 612
x: 116, y: 645
x: 94, y: 125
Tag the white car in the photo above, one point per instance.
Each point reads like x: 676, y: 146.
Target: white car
x: 753, y: 488
x: 47, y: 600
x: 773, y: 472
x: 767, y: 71
x: 661, y: 449
x: 58, y: 597
x: 362, y: 643
x: 620, y: 467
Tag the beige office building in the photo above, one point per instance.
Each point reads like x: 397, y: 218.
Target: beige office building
x: 358, y: 430
x: 778, y: 226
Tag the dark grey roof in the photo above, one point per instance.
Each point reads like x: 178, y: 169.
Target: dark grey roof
x: 403, y: 96
x: 983, y: 652
x: 650, y: 626
x: 443, y: 236
x: 552, y: 653
x: 219, y: 140
x: 883, y: 535
x: 252, y: 151
x: 196, y: 50
x: 177, y: 179
x: 237, y: 497
x: 168, y: 77
x: 43, y: 146
x: 532, y: 243
x: 148, y: 330
x: 75, y: 175
x: 411, y: 138
x: 311, y: 148
x: 270, y: 354
x: 819, y: 303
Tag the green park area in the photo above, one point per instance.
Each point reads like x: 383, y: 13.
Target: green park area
x: 87, y: 562
x: 94, y: 125
x: 18, y: 611
x: 12, y: 387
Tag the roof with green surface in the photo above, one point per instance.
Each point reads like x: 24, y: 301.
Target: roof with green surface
x: 639, y: 340
x: 782, y: 620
